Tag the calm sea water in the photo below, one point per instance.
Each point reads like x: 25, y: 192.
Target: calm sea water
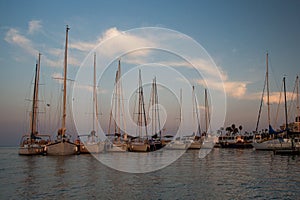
x: 223, y: 174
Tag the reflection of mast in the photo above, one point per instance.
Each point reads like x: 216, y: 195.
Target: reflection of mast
x: 63, y: 128
x: 35, y: 100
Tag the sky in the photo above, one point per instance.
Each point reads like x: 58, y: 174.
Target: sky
x: 235, y: 34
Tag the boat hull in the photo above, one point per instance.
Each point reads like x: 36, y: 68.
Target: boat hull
x: 273, y: 144
x: 177, y: 145
x: 115, y: 147
x: 196, y: 145
x: 91, y: 148
x: 236, y: 145
x: 39, y: 150
x: 139, y: 147
x: 61, y: 148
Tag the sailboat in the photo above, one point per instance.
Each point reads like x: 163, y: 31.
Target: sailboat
x: 34, y: 143
x: 92, y: 144
x: 179, y: 143
x: 140, y: 143
x: 155, y: 141
x: 62, y: 146
x: 208, y: 140
x: 197, y: 140
x: 117, y: 142
x: 270, y: 141
x: 294, y: 127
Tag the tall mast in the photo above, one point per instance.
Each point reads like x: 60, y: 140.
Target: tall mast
x: 268, y: 91
x: 196, y: 110
x: 63, y: 129
x: 152, y: 102
x: 180, y: 111
x: 122, y: 113
x: 140, y: 121
x: 119, y: 97
x: 141, y: 108
x: 206, y: 111
x: 94, y: 94
x: 35, y: 99
x: 298, y: 102
x: 156, y: 108
x: 116, y: 103
x: 193, y: 104
x: 285, y: 106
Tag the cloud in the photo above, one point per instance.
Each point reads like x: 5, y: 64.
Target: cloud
x: 34, y: 26
x: 14, y: 37
x: 274, y: 97
x: 124, y: 42
x: 236, y: 89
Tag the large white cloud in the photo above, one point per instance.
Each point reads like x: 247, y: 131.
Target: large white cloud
x: 34, y: 26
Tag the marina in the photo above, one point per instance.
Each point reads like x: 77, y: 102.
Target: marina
x: 222, y: 174
x: 162, y: 100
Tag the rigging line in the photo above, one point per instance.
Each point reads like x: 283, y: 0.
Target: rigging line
x: 278, y: 106
x: 260, y: 106
x: 149, y: 105
x: 274, y: 74
x: 158, y: 118
x: 122, y: 98
x: 292, y: 102
x: 134, y: 109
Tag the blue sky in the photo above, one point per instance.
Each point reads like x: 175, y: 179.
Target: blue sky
x: 236, y: 34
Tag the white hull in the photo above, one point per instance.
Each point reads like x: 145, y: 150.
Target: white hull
x: 92, y: 147
x: 274, y: 144
x: 61, y: 148
x: 116, y: 147
x: 177, y: 145
x: 196, y: 144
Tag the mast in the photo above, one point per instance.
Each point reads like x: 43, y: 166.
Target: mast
x: 155, y: 109
x: 122, y: 113
x: 206, y: 112
x: 180, y: 111
x: 94, y: 95
x: 35, y: 99
x: 193, y: 104
x: 285, y: 106
x: 268, y: 90
x: 141, y: 108
x: 116, y: 103
x: 298, y: 102
x: 63, y: 129
x: 196, y: 110
x: 119, y: 98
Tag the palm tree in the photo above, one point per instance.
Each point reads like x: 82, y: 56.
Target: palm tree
x: 240, y: 128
